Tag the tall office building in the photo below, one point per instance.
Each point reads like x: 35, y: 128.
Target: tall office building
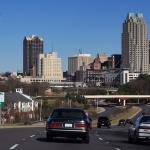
x: 50, y: 67
x: 135, y: 52
x: 32, y: 47
x: 76, y: 61
x: 149, y: 51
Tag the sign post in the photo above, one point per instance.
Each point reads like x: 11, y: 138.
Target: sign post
x: 1, y: 104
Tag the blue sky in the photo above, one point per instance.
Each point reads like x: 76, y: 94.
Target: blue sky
x: 94, y: 26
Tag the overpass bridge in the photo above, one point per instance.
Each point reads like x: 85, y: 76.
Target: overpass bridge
x: 119, y: 97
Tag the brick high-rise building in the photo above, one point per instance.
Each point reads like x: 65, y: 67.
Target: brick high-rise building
x: 135, y: 52
x: 32, y: 47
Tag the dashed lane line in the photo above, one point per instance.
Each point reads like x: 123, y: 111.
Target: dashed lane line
x: 32, y: 136
x: 14, y: 146
x: 117, y: 149
x: 100, y: 139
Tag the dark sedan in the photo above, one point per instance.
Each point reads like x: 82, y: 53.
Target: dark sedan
x: 68, y: 122
x: 103, y: 121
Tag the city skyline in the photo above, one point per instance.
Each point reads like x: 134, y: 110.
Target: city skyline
x: 68, y: 25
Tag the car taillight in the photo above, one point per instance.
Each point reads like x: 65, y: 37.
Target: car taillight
x: 55, y: 124
x: 80, y: 125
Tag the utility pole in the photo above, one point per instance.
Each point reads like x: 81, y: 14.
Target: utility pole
x: 0, y: 115
x: 41, y: 110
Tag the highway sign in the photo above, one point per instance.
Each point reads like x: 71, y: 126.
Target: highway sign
x: 1, y: 96
x: 1, y: 104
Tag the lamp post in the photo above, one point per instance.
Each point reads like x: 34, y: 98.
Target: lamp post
x: 41, y: 111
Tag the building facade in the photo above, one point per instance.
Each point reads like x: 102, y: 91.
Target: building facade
x: 32, y: 47
x: 135, y: 52
x: 50, y: 67
x: 76, y: 61
x: 126, y: 76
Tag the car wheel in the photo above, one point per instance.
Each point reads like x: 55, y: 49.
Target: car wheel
x: 48, y: 137
x: 136, y: 139
x: 86, y: 139
x: 129, y: 138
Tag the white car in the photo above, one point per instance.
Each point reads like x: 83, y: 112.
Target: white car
x: 140, y: 130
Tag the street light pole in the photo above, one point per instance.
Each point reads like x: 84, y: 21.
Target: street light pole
x: 41, y: 111
x: 0, y: 115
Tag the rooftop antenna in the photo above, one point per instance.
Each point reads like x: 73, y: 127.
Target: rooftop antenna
x: 80, y: 51
x: 52, y: 47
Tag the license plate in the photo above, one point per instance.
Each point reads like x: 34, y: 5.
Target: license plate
x: 68, y: 125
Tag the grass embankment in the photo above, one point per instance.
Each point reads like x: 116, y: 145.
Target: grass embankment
x: 123, y: 113
x: 126, y: 113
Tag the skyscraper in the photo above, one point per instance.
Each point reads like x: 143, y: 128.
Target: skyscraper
x: 135, y: 52
x: 32, y: 47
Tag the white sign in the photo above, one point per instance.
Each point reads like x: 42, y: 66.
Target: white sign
x: 1, y: 96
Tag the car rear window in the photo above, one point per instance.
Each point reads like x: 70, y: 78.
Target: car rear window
x: 68, y: 113
x: 145, y: 119
x: 103, y: 118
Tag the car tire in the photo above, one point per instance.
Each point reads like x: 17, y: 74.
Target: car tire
x: 129, y: 138
x: 48, y: 137
x: 86, y: 139
x: 136, y: 139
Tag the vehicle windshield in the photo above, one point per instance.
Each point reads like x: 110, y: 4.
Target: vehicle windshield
x: 145, y: 119
x: 68, y: 113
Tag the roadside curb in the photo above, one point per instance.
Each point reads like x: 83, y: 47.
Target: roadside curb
x: 36, y: 125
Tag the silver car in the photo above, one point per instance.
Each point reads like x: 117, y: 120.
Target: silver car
x: 140, y: 130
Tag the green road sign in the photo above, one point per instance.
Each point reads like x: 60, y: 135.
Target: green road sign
x: 2, y: 97
x: 1, y: 104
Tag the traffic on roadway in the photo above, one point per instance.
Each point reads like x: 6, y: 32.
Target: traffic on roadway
x: 113, y: 138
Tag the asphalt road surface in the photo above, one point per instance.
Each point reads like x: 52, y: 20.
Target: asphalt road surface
x: 34, y: 138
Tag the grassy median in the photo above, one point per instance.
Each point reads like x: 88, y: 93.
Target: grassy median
x: 126, y: 113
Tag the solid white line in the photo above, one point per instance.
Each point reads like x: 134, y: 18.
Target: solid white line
x: 14, y: 146
x: 101, y: 139
x: 32, y: 136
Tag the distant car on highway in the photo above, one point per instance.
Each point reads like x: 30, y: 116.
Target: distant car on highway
x: 68, y: 122
x: 140, y: 130
x: 124, y: 122
x: 121, y: 122
x: 103, y: 121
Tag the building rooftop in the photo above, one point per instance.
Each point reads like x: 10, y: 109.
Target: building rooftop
x: 16, y: 97
x: 33, y: 37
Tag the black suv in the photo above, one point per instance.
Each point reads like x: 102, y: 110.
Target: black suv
x: 103, y: 121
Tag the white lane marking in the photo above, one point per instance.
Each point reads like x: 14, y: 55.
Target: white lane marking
x: 100, y: 139
x: 117, y: 149
x: 32, y: 136
x: 14, y: 146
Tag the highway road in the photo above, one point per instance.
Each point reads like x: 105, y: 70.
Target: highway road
x: 34, y: 138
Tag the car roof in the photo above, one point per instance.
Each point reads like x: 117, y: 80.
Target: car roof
x: 103, y: 117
